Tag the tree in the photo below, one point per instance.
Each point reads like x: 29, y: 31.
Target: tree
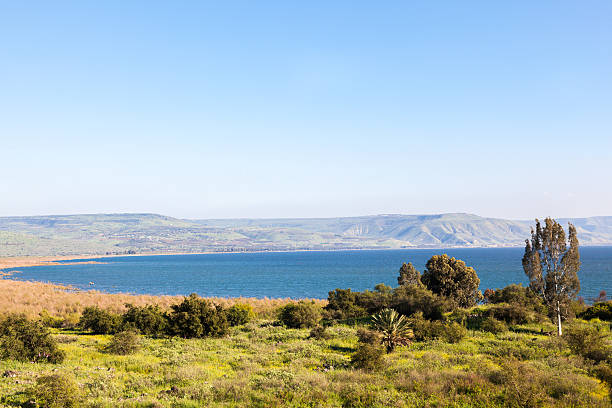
x: 408, y: 275
x: 552, y: 267
x: 451, y: 278
x: 395, y: 328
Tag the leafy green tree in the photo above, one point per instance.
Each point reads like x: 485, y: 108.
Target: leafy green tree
x: 552, y: 267
x: 408, y: 275
x: 451, y: 278
x: 300, y: 315
x: 197, y: 317
x: 395, y: 328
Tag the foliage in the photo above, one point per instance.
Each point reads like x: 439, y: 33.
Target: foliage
x: 342, y: 305
x: 452, y: 279
x: 518, y: 295
x: 124, y: 342
x: 601, y: 311
x: 511, y: 314
x: 300, y: 315
x: 56, y: 391
x: 99, y: 321
x: 492, y: 325
x: 368, y: 336
x: 450, y: 332
x: 588, y: 342
x: 240, y: 314
x: 25, y: 340
x: 394, y: 328
x: 149, y: 320
x: 197, y: 317
x: 408, y: 275
x: 409, y: 299
x: 368, y: 357
x: 552, y: 267
x: 319, y: 333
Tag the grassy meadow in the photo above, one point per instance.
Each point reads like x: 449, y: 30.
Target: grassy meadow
x: 265, y: 364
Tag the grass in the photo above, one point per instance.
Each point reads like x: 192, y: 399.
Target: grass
x: 33, y: 298
x: 260, y: 364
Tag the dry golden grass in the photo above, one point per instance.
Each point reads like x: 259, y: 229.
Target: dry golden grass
x: 31, y: 298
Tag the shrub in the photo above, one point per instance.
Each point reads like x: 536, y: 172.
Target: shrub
x: 124, y: 342
x: 301, y: 314
x: 99, y: 321
x: 342, y: 304
x: 368, y: 357
x: 410, y: 299
x: 511, y: 314
x: 25, y: 340
x: 197, y: 317
x: 50, y: 321
x: 492, y: 325
x: 56, y: 391
x: 240, y: 314
x: 368, y: 336
x: 587, y: 342
x: 601, y: 311
x: 450, y: 332
x: 319, y: 333
x: 148, y: 320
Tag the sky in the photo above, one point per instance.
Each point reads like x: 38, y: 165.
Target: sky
x: 262, y: 109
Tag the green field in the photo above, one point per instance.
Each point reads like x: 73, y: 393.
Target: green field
x: 263, y: 365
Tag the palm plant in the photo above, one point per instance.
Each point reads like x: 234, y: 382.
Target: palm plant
x: 395, y: 328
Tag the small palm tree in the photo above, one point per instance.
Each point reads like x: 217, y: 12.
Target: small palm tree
x: 395, y: 328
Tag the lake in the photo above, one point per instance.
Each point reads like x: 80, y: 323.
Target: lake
x: 297, y: 274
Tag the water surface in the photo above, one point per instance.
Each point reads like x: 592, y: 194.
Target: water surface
x: 297, y: 274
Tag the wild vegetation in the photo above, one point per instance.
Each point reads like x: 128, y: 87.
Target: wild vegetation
x: 430, y: 342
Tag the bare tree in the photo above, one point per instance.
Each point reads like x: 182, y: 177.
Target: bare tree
x: 552, y: 267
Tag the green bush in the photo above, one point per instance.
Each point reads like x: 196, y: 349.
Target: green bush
x: 56, y: 391
x: 50, y: 321
x: 197, y: 317
x: 319, y: 333
x: 367, y: 336
x: 492, y: 325
x: 25, y: 340
x: 368, y: 357
x: 124, y: 342
x: 343, y: 304
x: 410, y: 299
x: 240, y: 314
x: 148, y: 320
x: 450, y: 332
x: 300, y: 315
x: 601, y: 311
x: 99, y: 321
x: 509, y: 313
x: 587, y: 342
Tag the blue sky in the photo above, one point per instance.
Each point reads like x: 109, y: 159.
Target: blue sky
x: 306, y: 109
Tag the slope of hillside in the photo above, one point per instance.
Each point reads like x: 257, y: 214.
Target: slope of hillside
x: 120, y: 233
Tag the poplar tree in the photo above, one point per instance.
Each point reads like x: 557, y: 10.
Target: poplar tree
x: 552, y: 267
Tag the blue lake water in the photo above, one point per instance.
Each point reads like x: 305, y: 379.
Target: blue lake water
x: 297, y: 274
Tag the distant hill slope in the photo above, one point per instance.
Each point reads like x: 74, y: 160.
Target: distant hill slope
x: 119, y: 233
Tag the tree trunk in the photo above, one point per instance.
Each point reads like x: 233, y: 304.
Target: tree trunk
x: 559, y: 331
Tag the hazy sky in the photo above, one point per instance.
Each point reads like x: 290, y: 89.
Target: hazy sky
x: 287, y: 109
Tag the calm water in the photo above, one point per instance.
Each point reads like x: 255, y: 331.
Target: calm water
x: 297, y: 274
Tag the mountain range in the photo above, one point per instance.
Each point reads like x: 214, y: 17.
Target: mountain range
x: 92, y: 234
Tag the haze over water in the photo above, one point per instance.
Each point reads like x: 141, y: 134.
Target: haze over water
x: 297, y: 274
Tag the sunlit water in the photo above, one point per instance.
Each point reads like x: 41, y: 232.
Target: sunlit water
x: 297, y: 274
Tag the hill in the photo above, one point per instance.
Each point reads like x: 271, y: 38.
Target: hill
x: 122, y: 233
